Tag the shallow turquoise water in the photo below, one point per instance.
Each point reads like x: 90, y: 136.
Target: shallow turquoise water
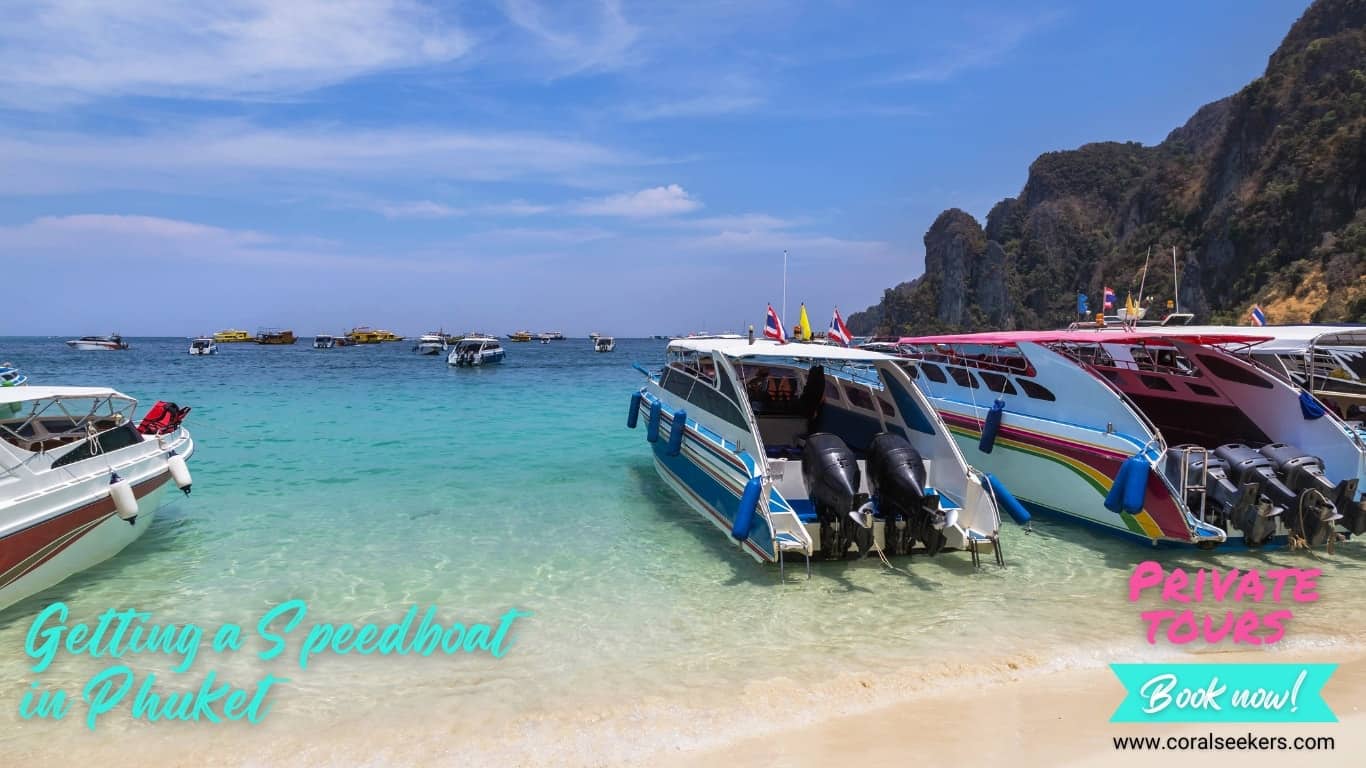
x: 368, y: 479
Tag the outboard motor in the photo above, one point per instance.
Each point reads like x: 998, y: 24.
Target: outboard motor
x: 1319, y: 498
x: 831, y: 474
x: 1235, y: 505
x: 896, y: 475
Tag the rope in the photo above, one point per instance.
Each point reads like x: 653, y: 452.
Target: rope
x: 1298, y: 542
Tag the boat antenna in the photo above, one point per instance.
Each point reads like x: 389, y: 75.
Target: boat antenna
x: 1144, y: 280
x: 1176, y: 285
x: 784, y: 282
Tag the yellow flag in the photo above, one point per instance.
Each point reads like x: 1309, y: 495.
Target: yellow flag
x: 1131, y: 306
x: 805, y: 325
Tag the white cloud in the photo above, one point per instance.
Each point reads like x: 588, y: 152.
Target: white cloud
x: 656, y: 201
x: 74, y: 50
x: 992, y: 39
x: 577, y: 41
x: 429, y: 209
x: 221, y: 154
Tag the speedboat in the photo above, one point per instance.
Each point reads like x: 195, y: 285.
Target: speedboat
x: 203, y: 346
x: 92, y: 343
x: 1162, y: 435
x: 324, y: 341
x: 544, y: 338
x: 80, y: 479
x: 476, y: 351
x: 233, y: 336
x: 796, y: 449
x: 275, y: 336
x: 430, y: 344
x: 11, y: 376
x: 604, y: 344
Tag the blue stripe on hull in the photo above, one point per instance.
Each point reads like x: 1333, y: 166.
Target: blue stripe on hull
x: 718, y: 501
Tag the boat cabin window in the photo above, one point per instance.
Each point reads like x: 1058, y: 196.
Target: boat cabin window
x: 910, y: 369
x: 1035, y: 390
x: 691, y: 383
x: 964, y: 377
x: 997, y: 383
x: 1229, y: 372
x: 858, y: 396
x: 933, y: 373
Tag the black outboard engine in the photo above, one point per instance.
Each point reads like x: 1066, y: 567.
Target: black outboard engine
x: 896, y: 475
x: 1234, y: 505
x: 1319, y: 498
x: 831, y: 474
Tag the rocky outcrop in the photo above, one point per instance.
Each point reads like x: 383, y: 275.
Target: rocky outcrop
x: 1262, y: 194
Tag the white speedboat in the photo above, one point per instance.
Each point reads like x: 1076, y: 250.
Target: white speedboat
x: 804, y: 449
x: 11, y: 376
x: 79, y: 479
x: 604, y: 344
x: 1159, y: 434
x: 475, y: 351
x: 324, y: 341
x: 95, y: 343
x: 430, y: 344
x: 204, y: 345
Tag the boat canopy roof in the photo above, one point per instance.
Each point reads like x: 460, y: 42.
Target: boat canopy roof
x: 742, y: 348
x: 30, y: 393
x: 1093, y: 336
x: 1291, y: 339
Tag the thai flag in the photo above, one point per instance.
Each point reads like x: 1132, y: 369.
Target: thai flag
x: 838, y: 333
x: 1258, y: 316
x: 773, y: 327
x: 1109, y: 298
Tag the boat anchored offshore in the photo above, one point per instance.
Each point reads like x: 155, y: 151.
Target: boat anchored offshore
x: 1156, y: 434
x: 275, y: 336
x: 476, y: 351
x: 604, y: 344
x: 97, y: 343
x: 203, y: 345
x: 78, y: 481
x: 11, y: 376
x: 520, y: 336
x: 233, y: 336
x: 324, y: 341
x: 430, y: 344
x: 805, y: 449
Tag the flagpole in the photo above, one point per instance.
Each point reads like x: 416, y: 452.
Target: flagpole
x: 785, y: 282
x: 1176, y: 283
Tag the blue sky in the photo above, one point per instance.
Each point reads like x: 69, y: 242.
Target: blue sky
x: 629, y: 167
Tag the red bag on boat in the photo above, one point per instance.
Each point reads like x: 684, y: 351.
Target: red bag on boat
x: 163, y: 418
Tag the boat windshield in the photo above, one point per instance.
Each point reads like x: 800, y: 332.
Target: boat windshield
x: 46, y: 423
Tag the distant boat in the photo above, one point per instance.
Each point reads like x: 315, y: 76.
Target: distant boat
x: 363, y: 334
x: 431, y: 343
x: 553, y: 336
x: 604, y: 344
x: 232, y: 336
x: 594, y: 336
x: 520, y: 336
x: 92, y: 343
x: 324, y: 341
x: 11, y: 376
x: 203, y: 346
x: 476, y: 351
x: 275, y: 336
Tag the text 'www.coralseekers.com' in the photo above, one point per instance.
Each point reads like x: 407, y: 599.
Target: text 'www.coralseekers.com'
x: 1246, y: 742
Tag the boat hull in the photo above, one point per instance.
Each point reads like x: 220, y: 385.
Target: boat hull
x: 94, y: 346
x: 710, y: 480
x: 71, y: 528
x: 1070, y: 476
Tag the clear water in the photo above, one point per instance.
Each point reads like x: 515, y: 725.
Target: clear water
x: 368, y: 479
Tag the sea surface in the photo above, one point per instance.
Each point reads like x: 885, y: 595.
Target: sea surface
x: 366, y: 480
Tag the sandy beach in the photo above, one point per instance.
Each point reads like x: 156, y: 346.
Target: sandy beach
x: 1041, y: 720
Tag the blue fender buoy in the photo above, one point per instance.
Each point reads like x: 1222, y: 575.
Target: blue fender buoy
x: 634, y: 416
x: 1135, y: 492
x: 1115, y: 498
x: 991, y: 425
x: 1006, y: 499
x: 652, y: 424
x: 676, y: 432
x: 1310, y: 407
x: 749, y: 503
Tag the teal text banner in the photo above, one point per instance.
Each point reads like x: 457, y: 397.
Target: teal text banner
x: 1223, y: 693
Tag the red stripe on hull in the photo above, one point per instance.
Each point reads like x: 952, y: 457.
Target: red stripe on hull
x: 23, y: 551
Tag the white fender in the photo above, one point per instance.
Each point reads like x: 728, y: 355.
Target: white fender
x: 179, y: 472
x: 125, y: 503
